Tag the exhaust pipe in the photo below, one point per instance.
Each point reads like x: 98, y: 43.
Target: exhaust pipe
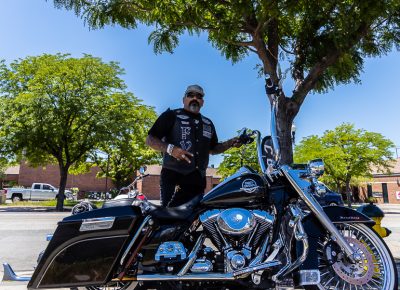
x: 9, y: 274
x: 208, y: 276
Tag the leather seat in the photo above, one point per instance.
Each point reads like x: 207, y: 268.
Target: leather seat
x: 118, y: 202
x: 178, y: 213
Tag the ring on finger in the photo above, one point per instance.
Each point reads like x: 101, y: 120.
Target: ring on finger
x: 183, y: 156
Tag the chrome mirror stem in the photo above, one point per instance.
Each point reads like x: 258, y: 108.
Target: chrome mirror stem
x: 260, y: 152
x: 274, y: 131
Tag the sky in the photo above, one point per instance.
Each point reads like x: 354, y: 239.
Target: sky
x: 235, y: 96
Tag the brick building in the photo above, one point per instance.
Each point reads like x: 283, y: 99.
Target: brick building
x: 385, y: 188
x: 24, y: 175
x: 150, y: 185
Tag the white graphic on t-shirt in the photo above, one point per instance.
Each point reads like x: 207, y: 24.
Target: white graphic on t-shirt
x: 207, y: 131
x: 206, y: 121
x: 183, y: 117
x: 185, y: 132
x: 186, y: 145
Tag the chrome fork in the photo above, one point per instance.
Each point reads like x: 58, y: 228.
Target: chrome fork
x: 318, y: 211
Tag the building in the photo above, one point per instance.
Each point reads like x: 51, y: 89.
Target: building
x: 385, y: 188
x: 150, y: 185
x: 24, y: 175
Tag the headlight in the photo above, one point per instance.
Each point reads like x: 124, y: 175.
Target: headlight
x: 316, y: 167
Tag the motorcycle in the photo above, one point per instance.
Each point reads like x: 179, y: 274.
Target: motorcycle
x: 252, y: 231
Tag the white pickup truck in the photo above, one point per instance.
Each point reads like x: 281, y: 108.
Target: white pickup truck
x: 38, y: 191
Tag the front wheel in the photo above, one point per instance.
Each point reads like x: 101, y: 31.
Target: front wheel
x: 375, y: 270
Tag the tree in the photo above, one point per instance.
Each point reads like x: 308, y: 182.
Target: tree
x: 323, y: 43
x: 56, y: 108
x: 348, y: 154
x: 235, y: 158
x: 123, y: 156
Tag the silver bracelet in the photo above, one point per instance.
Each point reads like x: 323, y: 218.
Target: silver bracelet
x: 170, y: 147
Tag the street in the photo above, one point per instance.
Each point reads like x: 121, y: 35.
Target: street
x: 23, y: 237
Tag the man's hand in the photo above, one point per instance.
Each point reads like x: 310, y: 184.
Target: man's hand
x: 235, y: 142
x: 181, y: 154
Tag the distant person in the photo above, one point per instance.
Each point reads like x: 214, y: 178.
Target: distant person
x: 186, y: 138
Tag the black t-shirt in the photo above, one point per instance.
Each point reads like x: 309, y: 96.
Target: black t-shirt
x: 165, y: 122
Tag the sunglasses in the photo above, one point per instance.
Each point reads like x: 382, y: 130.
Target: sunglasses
x: 192, y: 95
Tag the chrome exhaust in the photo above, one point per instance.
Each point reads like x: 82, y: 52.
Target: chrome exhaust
x: 208, y: 276
x: 9, y: 274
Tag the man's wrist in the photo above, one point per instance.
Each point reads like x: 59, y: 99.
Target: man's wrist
x: 170, y: 148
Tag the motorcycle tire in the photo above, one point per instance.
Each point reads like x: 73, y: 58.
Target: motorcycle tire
x: 376, y: 270
x: 111, y: 286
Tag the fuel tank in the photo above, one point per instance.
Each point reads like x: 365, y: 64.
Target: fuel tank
x: 85, y: 248
x: 245, y: 188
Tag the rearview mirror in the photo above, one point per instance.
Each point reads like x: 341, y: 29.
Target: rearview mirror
x: 142, y: 169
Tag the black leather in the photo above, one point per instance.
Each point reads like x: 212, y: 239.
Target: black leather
x: 118, y: 202
x: 178, y: 213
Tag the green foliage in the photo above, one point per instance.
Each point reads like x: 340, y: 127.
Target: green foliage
x: 305, y: 31
x: 234, y: 158
x: 349, y: 154
x: 56, y: 108
x: 324, y: 43
x: 122, y: 157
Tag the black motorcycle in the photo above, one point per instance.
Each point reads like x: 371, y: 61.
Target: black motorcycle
x: 252, y: 231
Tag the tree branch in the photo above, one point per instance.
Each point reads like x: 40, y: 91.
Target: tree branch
x: 320, y: 67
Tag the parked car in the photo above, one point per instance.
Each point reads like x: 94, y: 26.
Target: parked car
x: 38, y: 191
x: 330, y: 197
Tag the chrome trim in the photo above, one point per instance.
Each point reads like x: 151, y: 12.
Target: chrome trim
x: 274, y: 131
x: 253, y: 269
x: 170, y: 250
x: 208, y: 276
x: 309, y: 277
x: 236, y: 221
x: 192, y: 256
x: 257, y: 260
x: 9, y: 274
x: 95, y: 224
x: 316, y: 167
x: 145, y: 221
x: 294, y: 179
x: 259, y: 152
x: 299, y: 235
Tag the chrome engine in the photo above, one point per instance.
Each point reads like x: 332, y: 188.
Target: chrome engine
x: 237, y: 233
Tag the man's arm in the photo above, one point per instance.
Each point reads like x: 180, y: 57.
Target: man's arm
x: 222, y: 147
x: 177, y: 153
x: 156, y: 144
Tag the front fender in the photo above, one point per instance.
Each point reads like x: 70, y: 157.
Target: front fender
x: 342, y: 214
x: 314, y: 230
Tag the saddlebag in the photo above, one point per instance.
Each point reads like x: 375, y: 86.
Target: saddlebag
x: 85, y: 248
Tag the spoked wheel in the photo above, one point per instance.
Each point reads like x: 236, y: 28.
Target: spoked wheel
x: 375, y: 270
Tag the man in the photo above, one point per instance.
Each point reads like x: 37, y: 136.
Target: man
x: 186, y: 138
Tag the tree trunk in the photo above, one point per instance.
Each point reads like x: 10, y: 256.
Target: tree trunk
x: 348, y: 193
x: 63, y: 183
x: 284, y: 121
